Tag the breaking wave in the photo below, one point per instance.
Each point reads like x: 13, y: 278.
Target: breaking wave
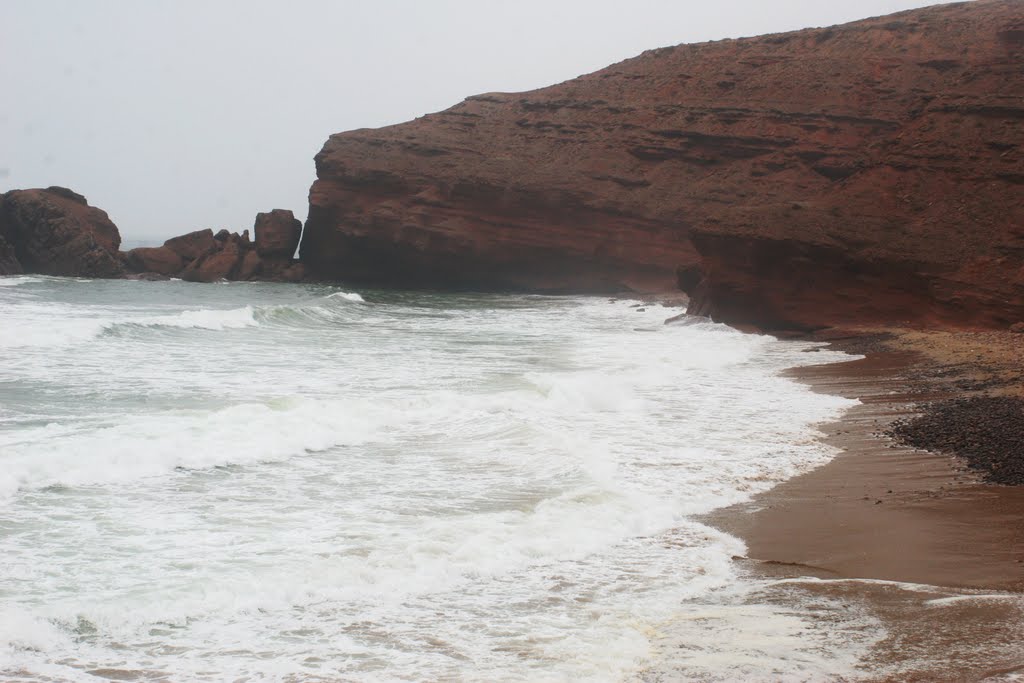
x: 203, y: 319
x: 157, y: 444
x: 272, y: 482
x: 49, y: 326
x: 347, y: 296
x: 17, y: 280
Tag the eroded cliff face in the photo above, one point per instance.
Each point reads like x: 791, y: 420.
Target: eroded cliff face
x: 864, y: 173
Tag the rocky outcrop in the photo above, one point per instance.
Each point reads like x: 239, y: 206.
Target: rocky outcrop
x: 192, y: 245
x: 277, y: 233
x: 158, y: 260
x: 55, y: 232
x: 870, y: 172
x: 202, y: 256
x: 277, y: 236
x: 8, y: 258
x: 221, y: 260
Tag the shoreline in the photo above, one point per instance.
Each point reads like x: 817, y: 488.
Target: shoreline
x: 890, y: 519
x: 881, y: 510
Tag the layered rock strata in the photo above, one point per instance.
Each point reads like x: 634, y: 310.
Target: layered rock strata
x: 867, y: 172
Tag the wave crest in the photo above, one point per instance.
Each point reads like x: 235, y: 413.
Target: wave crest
x: 157, y: 444
x: 204, y: 319
x: 347, y: 296
x: 17, y: 280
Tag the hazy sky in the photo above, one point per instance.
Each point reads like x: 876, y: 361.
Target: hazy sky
x: 178, y: 115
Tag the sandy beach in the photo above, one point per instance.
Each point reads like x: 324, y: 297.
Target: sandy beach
x: 885, y: 512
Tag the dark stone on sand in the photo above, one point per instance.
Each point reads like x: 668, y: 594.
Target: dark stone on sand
x: 987, y: 432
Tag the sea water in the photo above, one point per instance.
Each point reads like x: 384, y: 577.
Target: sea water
x: 303, y: 482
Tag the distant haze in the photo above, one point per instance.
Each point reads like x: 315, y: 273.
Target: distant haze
x: 173, y: 116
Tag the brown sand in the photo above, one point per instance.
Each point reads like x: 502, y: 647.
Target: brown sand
x: 883, y: 511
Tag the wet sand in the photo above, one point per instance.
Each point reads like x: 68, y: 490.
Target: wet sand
x: 882, y: 511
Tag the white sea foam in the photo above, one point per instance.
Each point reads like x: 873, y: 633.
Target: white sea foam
x: 37, y: 325
x: 61, y: 333
x: 17, y: 280
x: 347, y: 296
x: 957, y: 599
x: 502, y: 489
x: 730, y: 639
x: 205, y: 319
x: 158, y: 444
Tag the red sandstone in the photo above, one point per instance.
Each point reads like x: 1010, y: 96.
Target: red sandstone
x: 870, y: 172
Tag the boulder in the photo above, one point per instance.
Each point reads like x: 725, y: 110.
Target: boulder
x: 219, y: 263
x: 250, y: 266
x: 162, y: 260
x: 54, y: 231
x: 192, y: 245
x: 277, y: 233
x: 205, y: 256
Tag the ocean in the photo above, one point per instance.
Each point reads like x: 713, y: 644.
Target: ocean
x: 279, y: 482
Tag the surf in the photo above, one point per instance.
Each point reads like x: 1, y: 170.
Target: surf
x: 270, y: 461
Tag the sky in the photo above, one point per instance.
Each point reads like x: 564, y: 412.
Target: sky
x: 179, y: 115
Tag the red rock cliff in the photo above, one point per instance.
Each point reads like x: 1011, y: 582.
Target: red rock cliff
x: 867, y: 172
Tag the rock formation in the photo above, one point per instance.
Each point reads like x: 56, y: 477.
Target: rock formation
x: 202, y: 256
x: 55, y: 232
x: 872, y: 172
x: 8, y: 258
x: 277, y: 236
x: 221, y: 261
x: 277, y: 233
x: 157, y: 260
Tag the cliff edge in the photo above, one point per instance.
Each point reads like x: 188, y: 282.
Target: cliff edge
x: 871, y: 172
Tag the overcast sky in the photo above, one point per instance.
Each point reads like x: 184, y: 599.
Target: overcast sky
x: 178, y: 115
